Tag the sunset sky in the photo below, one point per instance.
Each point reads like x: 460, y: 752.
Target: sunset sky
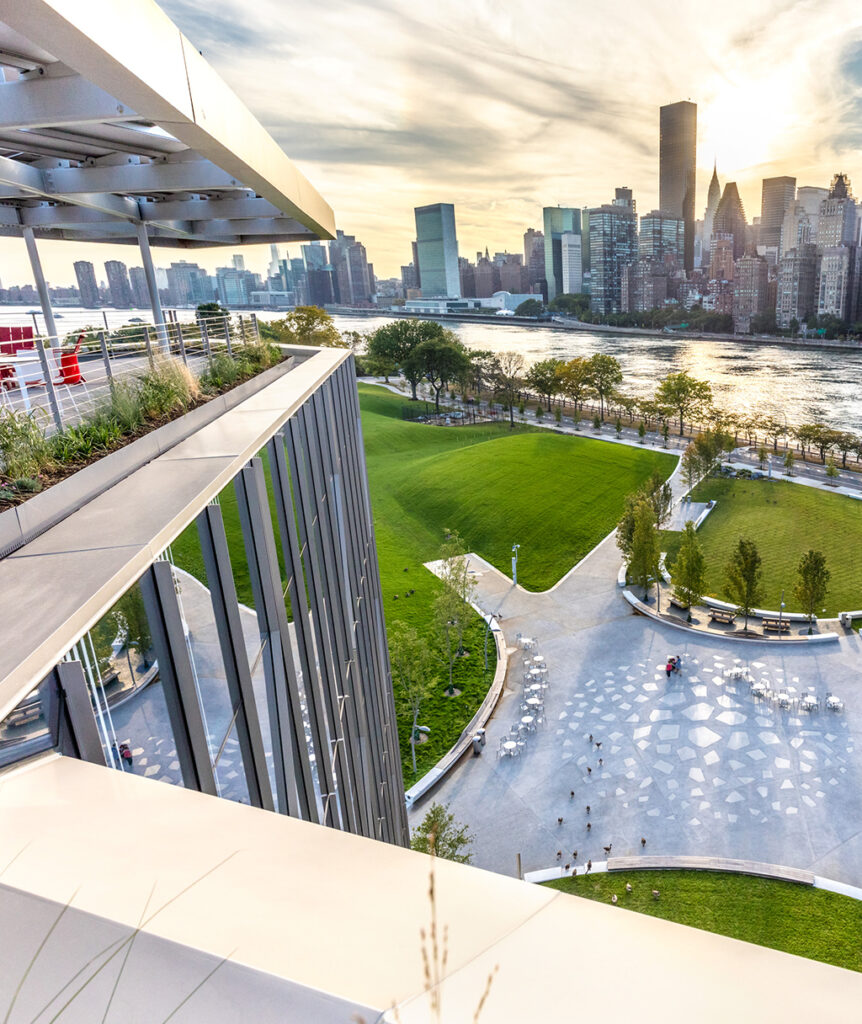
x: 388, y: 105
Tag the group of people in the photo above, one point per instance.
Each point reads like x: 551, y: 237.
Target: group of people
x: 674, y: 664
x: 123, y: 755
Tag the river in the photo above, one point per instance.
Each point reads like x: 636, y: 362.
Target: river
x: 804, y: 384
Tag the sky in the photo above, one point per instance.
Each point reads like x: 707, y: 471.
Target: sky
x: 502, y: 109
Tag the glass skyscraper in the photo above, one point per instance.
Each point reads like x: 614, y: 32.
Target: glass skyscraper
x: 677, y: 162
x: 437, y: 251
x: 558, y: 221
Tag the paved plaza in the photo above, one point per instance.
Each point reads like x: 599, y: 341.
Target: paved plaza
x: 694, y: 764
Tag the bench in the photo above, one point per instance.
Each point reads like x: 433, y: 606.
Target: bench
x: 779, y: 625
x: 719, y: 615
x: 678, y: 602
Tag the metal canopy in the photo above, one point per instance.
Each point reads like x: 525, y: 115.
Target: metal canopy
x: 110, y: 118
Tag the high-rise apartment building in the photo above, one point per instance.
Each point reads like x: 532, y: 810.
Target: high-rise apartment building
x: 534, y: 256
x: 231, y: 284
x: 557, y: 221
x: 677, y: 166
x: 836, y: 223
x: 662, y: 238
x: 314, y: 255
x: 514, y: 276
x: 87, y: 286
x: 730, y: 218
x: 138, y: 282
x: 721, y: 258
x: 466, y: 276
x: 189, y: 284
x: 486, y: 277
x: 796, y: 297
x: 613, y: 246
x: 118, y: 284
x: 644, y: 286
x: 409, y: 281
x: 437, y: 251
x: 571, y: 260
x: 838, y: 283
x: 777, y: 196
x: 750, y: 291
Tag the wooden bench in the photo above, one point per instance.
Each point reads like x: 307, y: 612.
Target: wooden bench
x: 779, y: 625
x: 678, y: 602
x: 720, y: 615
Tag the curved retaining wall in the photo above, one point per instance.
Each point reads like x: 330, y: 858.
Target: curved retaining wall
x: 448, y: 761
x: 645, y: 609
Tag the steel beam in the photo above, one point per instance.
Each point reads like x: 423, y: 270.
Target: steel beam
x: 232, y: 642
x: 41, y: 285
x: 46, y: 101
x: 177, y: 677
x: 152, y: 287
x: 79, y: 734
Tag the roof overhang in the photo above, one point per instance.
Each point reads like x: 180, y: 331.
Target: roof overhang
x: 109, y: 117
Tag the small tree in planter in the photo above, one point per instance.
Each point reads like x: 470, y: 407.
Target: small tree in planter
x: 520, y: 408
x: 641, y: 431
x: 788, y: 463
x: 665, y: 432
x: 832, y: 472
x: 576, y: 419
x: 619, y: 427
x: 743, y: 576
x: 689, y: 570
x: 597, y: 423
x: 558, y: 414
x: 812, y: 583
x: 540, y: 412
x: 762, y: 456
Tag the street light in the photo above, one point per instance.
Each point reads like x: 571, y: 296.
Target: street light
x: 515, y: 563
x: 780, y: 613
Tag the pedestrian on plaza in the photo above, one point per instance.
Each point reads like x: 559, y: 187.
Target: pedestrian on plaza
x: 588, y: 808
x: 669, y: 667
x: 589, y: 866
x: 126, y: 755
x: 116, y: 753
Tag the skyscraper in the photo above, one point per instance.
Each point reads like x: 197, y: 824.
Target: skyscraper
x: 558, y: 221
x: 713, y: 198
x: 437, y: 251
x: 797, y: 285
x: 534, y: 255
x: 87, y: 286
x: 662, y: 238
x: 138, y: 281
x: 613, y: 246
x: 677, y: 162
x: 118, y: 283
x: 777, y: 197
x: 730, y: 219
x: 836, y: 224
x: 750, y: 287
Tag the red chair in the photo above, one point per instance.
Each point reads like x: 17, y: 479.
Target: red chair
x: 69, y: 367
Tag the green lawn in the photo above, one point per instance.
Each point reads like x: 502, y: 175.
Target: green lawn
x: 784, y: 520
x: 793, y: 918
x: 557, y: 496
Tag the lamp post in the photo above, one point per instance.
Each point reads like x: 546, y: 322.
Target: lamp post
x: 515, y: 548
x: 780, y: 614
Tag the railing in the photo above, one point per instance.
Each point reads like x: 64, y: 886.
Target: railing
x: 63, y: 379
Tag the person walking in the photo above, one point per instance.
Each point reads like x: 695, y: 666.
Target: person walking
x: 669, y: 667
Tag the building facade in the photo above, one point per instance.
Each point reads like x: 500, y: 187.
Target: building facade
x: 838, y: 282
x: 796, y: 297
x: 534, y: 257
x: 750, y: 291
x: 677, y: 168
x: 87, y: 286
x: 730, y: 219
x: 613, y: 246
x: 557, y: 221
x: 662, y: 238
x: 118, y: 284
x: 437, y: 251
x: 777, y: 196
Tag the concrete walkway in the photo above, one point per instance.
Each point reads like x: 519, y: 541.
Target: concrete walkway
x: 692, y: 764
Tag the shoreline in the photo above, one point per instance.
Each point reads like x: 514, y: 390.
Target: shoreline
x: 576, y: 326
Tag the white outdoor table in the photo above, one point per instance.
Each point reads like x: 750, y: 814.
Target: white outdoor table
x: 534, y: 702
x: 22, y: 361
x: 535, y: 671
x: 510, y: 745
x: 538, y: 657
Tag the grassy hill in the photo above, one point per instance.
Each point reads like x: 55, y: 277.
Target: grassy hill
x: 784, y: 520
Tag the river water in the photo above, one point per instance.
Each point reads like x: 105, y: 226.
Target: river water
x: 804, y: 384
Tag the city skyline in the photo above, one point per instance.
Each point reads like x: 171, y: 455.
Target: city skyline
x: 777, y: 94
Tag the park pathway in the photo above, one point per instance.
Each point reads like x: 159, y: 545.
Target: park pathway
x: 691, y: 764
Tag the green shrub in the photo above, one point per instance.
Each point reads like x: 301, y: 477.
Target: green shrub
x: 24, y: 449
x: 125, y: 406
x: 167, y: 388
x: 223, y: 372
x: 92, y: 437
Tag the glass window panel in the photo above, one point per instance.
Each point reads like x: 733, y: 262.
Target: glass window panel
x: 230, y: 778
x: 26, y: 730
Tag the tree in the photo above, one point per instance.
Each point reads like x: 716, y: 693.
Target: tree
x: 306, y: 325
x: 506, y: 373
x: 692, y: 466
x: 544, y: 378
x: 832, y: 470
x: 412, y: 673
x: 743, y: 574
x: 643, y: 564
x: 132, y: 623
x: 685, y: 394
x: 606, y: 375
x: 659, y: 493
x: 641, y: 432
x: 530, y: 307
x: 689, y: 569
x: 211, y: 310
x: 439, y: 834
x: 812, y: 583
x: 394, y: 342
x: 447, y: 611
x: 794, y: 327
x: 788, y: 463
x: 576, y: 380
x: 440, y: 360
x: 455, y: 574
x: 762, y: 456
x: 574, y: 304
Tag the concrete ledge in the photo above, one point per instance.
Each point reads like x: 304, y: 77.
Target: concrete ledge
x: 645, y: 609
x: 736, y: 867
x: 25, y: 522
x: 448, y: 761
x: 758, y: 613
x: 703, y: 515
